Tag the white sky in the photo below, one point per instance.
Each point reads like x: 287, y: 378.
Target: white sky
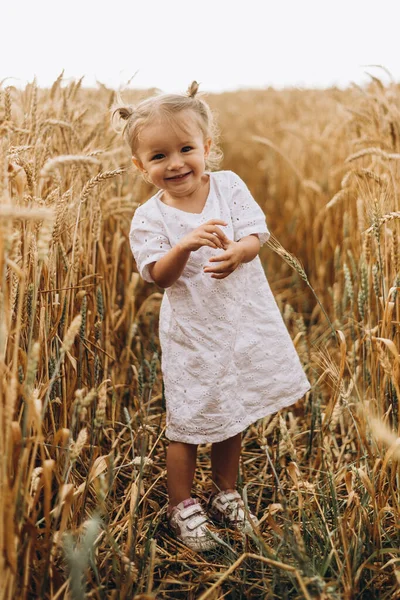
x: 224, y: 44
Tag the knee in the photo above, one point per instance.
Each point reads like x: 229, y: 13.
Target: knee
x: 181, y: 448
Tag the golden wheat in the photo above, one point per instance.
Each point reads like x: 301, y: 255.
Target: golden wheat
x: 82, y: 474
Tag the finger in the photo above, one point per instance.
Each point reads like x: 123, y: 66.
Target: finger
x: 221, y: 234
x: 222, y: 268
x: 215, y: 241
x: 220, y: 276
x: 210, y: 243
x: 216, y: 222
x: 212, y: 238
x: 220, y: 258
x: 220, y: 241
x: 216, y: 230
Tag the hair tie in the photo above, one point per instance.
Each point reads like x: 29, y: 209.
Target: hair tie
x: 124, y: 112
x: 192, y: 89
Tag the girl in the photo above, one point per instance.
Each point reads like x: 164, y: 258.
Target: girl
x: 227, y: 358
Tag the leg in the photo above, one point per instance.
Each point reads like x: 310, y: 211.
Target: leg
x: 225, y: 463
x: 181, y: 464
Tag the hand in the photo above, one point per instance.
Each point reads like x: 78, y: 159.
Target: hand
x: 207, y: 234
x: 228, y: 261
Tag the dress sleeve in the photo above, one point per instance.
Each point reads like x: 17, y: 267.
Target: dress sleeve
x: 148, y: 240
x: 247, y: 216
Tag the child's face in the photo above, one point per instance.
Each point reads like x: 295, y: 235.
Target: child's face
x: 173, y: 153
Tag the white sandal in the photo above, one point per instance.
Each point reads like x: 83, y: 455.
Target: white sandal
x: 228, y: 508
x: 190, y: 525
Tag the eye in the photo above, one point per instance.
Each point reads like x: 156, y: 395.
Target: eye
x: 186, y: 149
x: 157, y: 156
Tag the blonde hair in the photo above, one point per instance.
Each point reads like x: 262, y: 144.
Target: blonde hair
x: 129, y: 120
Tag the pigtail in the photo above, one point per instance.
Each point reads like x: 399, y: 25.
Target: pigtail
x: 192, y: 89
x: 124, y: 112
x: 120, y: 116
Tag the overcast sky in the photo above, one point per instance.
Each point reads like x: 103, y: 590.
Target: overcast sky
x: 224, y: 44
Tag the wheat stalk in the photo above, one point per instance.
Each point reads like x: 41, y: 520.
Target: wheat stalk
x: 66, y: 160
x: 373, y: 152
x: 99, y: 178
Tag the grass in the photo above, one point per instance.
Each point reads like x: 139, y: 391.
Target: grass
x: 82, y: 470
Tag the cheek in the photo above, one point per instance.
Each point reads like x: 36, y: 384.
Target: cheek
x: 155, y: 170
x: 200, y: 160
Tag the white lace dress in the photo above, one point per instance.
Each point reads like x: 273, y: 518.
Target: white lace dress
x: 227, y: 357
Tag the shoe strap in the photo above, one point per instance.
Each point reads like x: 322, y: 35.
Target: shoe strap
x: 196, y: 522
x: 191, y: 510
x: 227, y: 497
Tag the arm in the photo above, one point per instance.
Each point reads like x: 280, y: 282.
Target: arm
x: 242, y: 251
x: 167, y: 270
x: 250, y: 247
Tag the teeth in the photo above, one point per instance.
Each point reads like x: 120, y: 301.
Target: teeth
x: 179, y: 176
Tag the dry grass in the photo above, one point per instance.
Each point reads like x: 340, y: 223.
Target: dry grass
x: 82, y: 475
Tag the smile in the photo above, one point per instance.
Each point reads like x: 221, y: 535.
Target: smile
x: 178, y: 177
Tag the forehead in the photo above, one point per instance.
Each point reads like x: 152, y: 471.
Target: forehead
x: 169, y: 129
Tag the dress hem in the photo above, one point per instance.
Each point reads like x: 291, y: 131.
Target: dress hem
x: 193, y: 439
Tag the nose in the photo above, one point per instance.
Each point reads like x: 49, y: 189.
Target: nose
x: 175, y: 161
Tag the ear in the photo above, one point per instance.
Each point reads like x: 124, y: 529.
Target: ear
x: 138, y: 164
x: 207, y: 146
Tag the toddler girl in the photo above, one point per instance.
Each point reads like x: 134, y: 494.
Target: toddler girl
x: 227, y: 358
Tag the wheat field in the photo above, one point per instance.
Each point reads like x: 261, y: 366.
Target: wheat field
x: 82, y: 469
